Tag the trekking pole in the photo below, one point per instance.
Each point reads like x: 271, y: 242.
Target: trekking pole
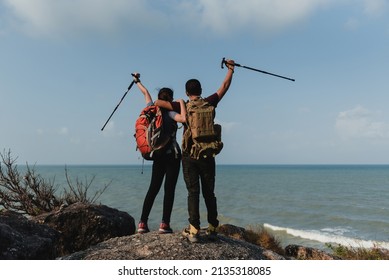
x: 129, y: 87
x: 264, y: 72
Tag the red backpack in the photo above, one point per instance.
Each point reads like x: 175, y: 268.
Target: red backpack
x: 149, y: 132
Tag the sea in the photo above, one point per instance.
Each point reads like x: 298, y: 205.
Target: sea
x: 309, y: 205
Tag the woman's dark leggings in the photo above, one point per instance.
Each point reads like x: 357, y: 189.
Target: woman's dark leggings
x: 167, y: 166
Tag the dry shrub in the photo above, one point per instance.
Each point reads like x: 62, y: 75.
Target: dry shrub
x: 31, y: 194
x: 353, y: 253
x: 261, y: 237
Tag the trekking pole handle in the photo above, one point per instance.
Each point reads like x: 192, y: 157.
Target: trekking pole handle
x: 136, y: 77
x: 224, y: 62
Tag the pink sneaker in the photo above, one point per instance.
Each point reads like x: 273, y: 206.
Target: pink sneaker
x: 143, y: 228
x: 165, y: 228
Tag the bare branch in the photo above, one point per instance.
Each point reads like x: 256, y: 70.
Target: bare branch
x: 31, y: 194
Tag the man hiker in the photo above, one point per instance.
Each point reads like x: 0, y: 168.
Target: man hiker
x: 198, y: 155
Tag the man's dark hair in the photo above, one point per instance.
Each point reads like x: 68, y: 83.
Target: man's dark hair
x: 165, y: 94
x: 193, y: 87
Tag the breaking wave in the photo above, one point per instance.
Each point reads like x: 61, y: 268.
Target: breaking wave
x: 330, y: 236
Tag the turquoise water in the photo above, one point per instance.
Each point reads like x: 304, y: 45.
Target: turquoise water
x: 304, y: 204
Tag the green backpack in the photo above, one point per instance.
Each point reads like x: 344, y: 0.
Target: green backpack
x: 202, y: 137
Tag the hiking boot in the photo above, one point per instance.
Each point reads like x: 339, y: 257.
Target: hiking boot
x: 143, y: 228
x: 191, y: 233
x: 165, y: 228
x: 211, y: 232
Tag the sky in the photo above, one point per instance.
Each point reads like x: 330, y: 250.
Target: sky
x: 65, y: 65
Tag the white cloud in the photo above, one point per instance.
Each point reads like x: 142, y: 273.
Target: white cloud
x: 375, y: 7
x: 226, y: 126
x: 224, y: 16
x: 63, y: 131
x: 369, y: 8
x: 64, y: 18
x: 109, y: 129
x: 75, y: 140
x: 68, y: 18
x: 358, y: 123
x: 352, y: 24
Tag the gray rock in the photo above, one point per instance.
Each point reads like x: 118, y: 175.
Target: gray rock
x: 155, y: 246
x: 306, y: 253
x: 83, y: 225
x: 21, y: 239
x: 97, y: 232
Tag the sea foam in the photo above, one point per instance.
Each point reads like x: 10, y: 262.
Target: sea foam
x: 326, y: 237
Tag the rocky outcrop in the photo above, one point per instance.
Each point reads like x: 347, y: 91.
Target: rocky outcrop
x: 83, y: 225
x: 305, y: 253
x: 155, y: 246
x: 60, y: 233
x: 21, y: 239
x: 97, y: 232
